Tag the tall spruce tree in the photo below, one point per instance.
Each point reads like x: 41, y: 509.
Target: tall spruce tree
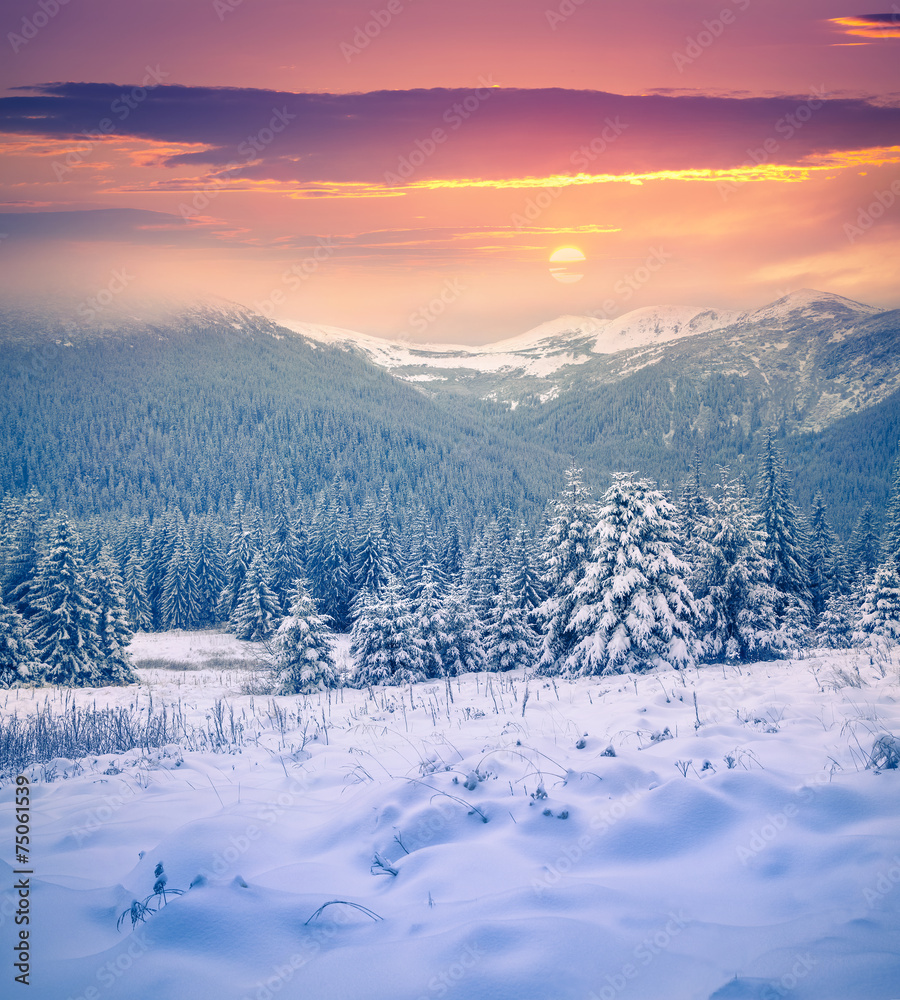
x: 431, y: 634
x: 113, y: 626
x: 209, y: 572
x: 572, y: 517
x: 384, y: 641
x: 286, y: 548
x: 180, y: 600
x: 17, y: 652
x: 511, y: 642
x: 732, y: 580
x: 258, y: 611
x: 303, y: 646
x: 465, y: 649
x: 865, y: 545
x: 241, y: 551
x: 785, y: 546
x: 64, y: 623
x: 135, y: 592
x: 634, y: 609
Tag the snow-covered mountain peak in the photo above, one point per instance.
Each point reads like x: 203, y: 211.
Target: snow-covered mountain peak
x: 807, y: 304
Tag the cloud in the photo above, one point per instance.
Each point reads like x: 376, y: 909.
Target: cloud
x: 387, y: 139
x: 107, y: 225
x: 872, y: 26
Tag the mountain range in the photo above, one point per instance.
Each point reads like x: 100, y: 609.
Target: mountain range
x: 142, y: 405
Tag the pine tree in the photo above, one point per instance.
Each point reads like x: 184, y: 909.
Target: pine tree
x: 303, y: 646
x: 241, y: 551
x: 824, y: 557
x: 287, y: 549
x: 135, y: 592
x: 879, y: 616
x: 24, y: 549
x: 864, y: 543
x: 567, y: 542
x: 113, y: 627
x: 836, y: 623
x: 180, y: 605
x: 890, y: 540
x: 465, y: 650
x: 371, y: 565
x: 384, y: 639
x: 432, y: 638
x: 732, y: 580
x: 693, y: 510
x: 634, y: 609
x: 527, y: 584
x: 330, y: 572
x: 17, y: 652
x: 258, y: 611
x: 512, y: 643
x: 64, y: 625
x: 785, y: 541
x: 209, y: 573
x: 452, y: 549
x: 159, y: 554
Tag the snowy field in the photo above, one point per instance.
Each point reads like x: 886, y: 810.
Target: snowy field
x: 497, y: 837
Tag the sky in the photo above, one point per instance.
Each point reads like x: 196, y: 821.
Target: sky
x: 406, y: 168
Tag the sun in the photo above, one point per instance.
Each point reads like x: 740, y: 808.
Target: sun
x: 564, y: 265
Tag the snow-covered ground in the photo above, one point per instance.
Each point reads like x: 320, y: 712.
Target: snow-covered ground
x: 498, y: 847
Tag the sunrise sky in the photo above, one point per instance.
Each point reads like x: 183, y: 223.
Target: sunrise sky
x: 355, y: 163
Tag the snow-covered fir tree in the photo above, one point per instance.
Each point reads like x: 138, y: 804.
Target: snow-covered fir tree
x: 180, y: 599
x: 572, y: 517
x: 879, y: 616
x: 510, y: 641
x: 329, y: 569
x: 209, y: 572
x: 826, y: 571
x: 837, y: 622
x: 432, y: 638
x: 286, y: 548
x: 371, y: 566
x: 158, y: 555
x: 384, y: 640
x: 258, y: 611
x: 304, y: 657
x: 113, y: 626
x: 732, y: 580
x: 785, y: 539
x: 17, y: 652
x: 23, y: 548
x: 634, y: 607
x: 890, y: 535
x: 241, y: 550
x: 64, y: 623
x: 134, y: 589
x: 465, y: 650
x: 526, y: 576
x: 865, y: 544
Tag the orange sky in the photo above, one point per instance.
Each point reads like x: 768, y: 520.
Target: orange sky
x: 326, y: 165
